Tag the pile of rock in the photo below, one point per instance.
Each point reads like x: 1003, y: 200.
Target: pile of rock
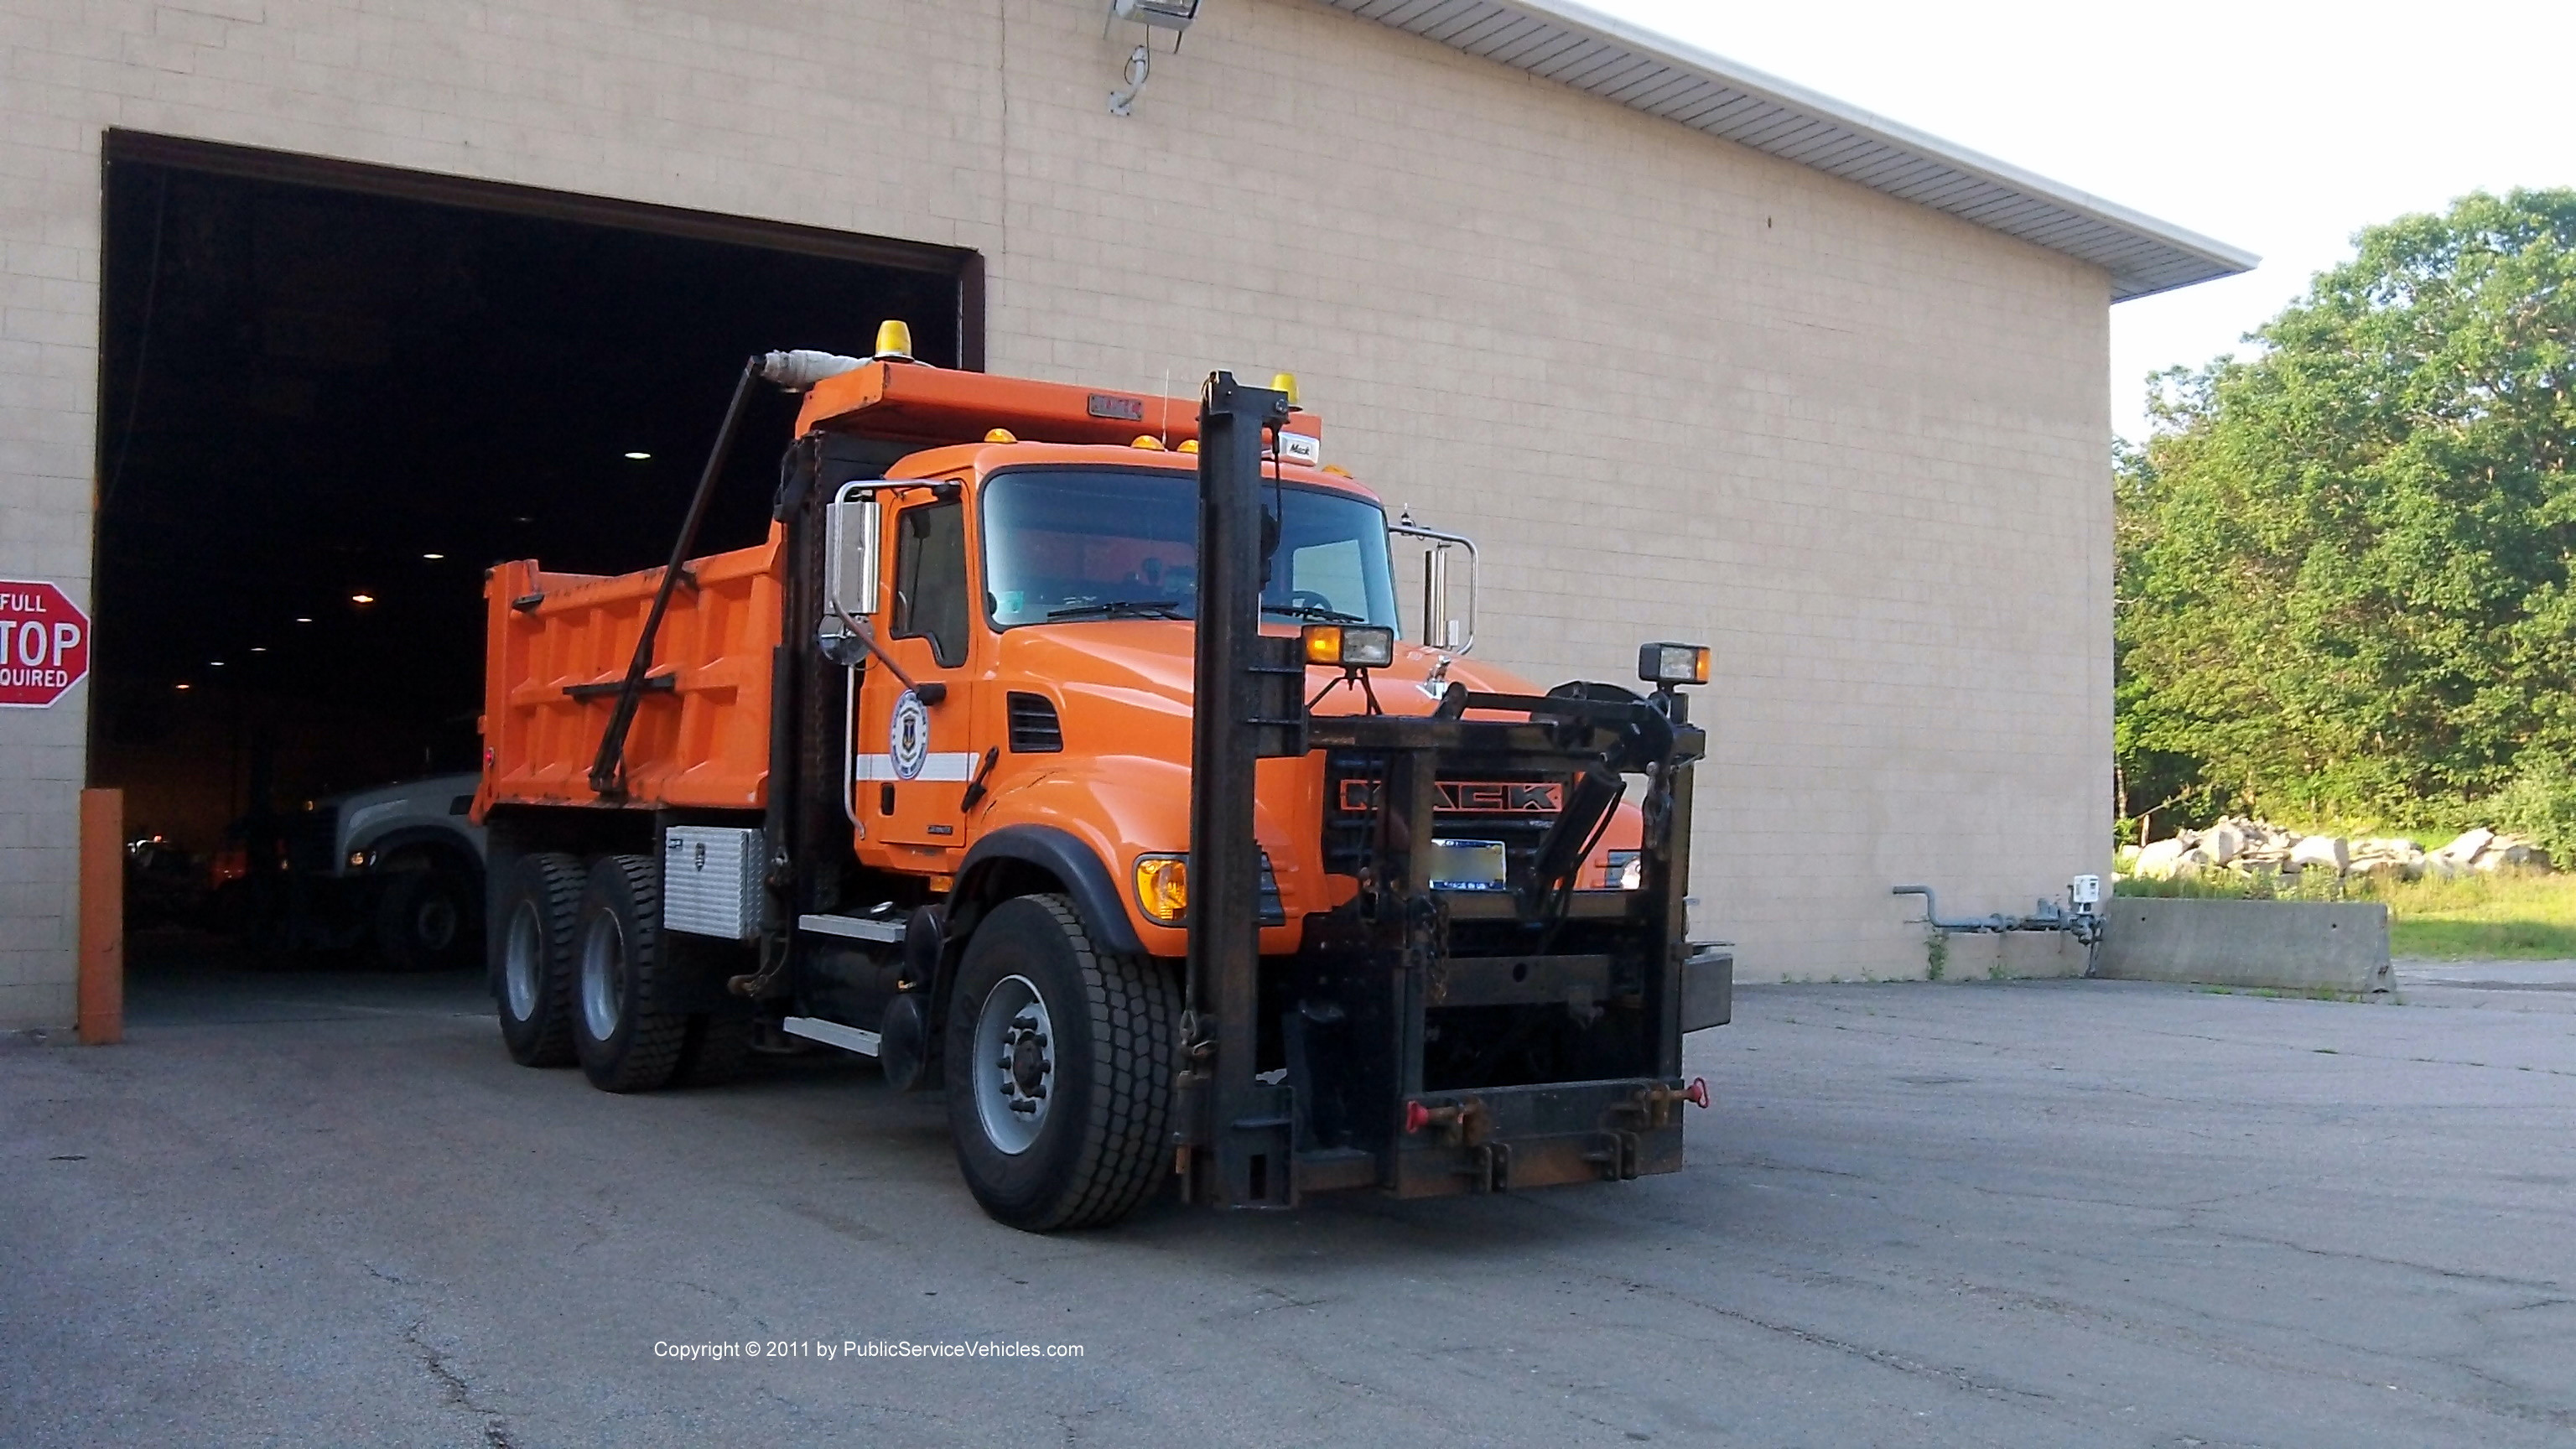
x: 2256, y: 847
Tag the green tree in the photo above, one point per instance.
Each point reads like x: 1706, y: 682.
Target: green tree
x: 2344, y: 562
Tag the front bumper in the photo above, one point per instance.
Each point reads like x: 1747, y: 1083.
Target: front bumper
x: 1505, y: 1139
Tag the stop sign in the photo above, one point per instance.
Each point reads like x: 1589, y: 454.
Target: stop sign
x: 44, y: 644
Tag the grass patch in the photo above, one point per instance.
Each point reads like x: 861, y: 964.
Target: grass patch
x: 2505, y: 917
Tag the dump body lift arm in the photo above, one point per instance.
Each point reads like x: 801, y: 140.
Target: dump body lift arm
x: 608, y: 771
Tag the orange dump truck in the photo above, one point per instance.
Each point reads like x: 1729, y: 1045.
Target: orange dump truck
x: 1060, y: 749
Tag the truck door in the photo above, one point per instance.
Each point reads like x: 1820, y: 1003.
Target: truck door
x: 913, y: 760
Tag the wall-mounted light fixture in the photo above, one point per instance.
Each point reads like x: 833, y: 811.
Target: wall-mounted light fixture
x: 1172, y: 15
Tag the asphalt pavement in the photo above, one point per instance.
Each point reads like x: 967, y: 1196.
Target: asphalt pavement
x: 317, y: 1207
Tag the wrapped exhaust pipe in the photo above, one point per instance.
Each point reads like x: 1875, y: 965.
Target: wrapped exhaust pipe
x: 798, y: 370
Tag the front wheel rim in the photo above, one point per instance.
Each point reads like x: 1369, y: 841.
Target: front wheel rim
x: 1014, y: 1065
x: 603, y: 975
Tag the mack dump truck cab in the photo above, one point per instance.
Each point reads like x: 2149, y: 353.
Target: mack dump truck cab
x: 1061, y: 748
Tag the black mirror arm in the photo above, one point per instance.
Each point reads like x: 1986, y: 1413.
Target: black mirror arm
x: 866, y: 634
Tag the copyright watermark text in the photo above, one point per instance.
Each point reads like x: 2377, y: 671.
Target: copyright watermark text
x: 829, y: 1350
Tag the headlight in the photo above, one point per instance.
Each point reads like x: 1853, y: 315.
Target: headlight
x: 1163, y: 888
x: 1627, y: 870
x: 1349, y: 646
x: 1673, y: 663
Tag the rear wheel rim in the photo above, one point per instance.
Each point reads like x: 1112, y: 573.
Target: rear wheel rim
x: 522, y: 959
x: 1014, y: 1066
x: 603, y: 975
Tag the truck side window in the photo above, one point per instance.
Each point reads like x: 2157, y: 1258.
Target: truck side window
x: 930, y: 579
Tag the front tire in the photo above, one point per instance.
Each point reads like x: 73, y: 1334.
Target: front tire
x: 532, y: 957
x: 617, y: 963
x: 425, y: 919
x: 1059, y: 1059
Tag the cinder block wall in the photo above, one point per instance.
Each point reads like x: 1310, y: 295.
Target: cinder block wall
x: 1676, y: 389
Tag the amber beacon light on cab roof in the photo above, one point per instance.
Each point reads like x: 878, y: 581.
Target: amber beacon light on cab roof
x: 1062, y: 748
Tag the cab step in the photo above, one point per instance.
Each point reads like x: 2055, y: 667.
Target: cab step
x: 853, y: 928
x: 832, y: 1033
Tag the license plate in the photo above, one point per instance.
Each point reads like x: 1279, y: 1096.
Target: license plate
x: 1465, y: 865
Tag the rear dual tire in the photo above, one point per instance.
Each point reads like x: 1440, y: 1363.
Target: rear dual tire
x: 575, y: 952
x: 533, y: 917
x: 618, y: 966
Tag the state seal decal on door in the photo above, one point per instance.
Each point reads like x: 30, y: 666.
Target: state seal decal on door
x: 908, y: 736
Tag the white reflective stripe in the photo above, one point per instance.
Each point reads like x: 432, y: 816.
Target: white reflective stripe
x: 957, y: 766
x: 832, y: 1033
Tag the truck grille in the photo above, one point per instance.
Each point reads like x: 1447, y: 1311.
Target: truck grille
x: 1516, y: 810
x: 1035, y: 730
x: 312, y: 841
x: 1273, y: 911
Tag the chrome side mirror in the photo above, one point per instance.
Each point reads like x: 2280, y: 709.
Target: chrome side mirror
x: 1443, y: 626
x: 850, y: 536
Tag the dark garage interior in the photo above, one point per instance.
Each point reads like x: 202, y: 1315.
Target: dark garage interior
x: 332, y: 395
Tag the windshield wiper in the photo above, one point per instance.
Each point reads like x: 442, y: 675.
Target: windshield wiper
x: 1314, y: 613
x: 1110, y: 608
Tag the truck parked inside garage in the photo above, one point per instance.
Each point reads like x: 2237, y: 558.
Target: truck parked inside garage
x: 395, y: 870
x: 1059, y: 748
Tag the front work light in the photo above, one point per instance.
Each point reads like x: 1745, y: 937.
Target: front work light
x: 1670, y: 664
x: 1349, y: 646
x: 1163, y: 888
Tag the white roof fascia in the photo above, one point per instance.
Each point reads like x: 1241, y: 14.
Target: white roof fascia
x: 1632, y: 66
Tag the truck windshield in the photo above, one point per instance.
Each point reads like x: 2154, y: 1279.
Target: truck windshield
x: 1062, y: 544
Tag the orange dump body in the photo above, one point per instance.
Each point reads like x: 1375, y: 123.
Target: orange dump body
x: 557, y: 646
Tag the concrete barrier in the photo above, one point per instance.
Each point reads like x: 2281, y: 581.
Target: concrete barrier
x: 2282, y: 945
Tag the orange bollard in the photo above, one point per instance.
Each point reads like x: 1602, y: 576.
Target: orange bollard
x: 102, y: 917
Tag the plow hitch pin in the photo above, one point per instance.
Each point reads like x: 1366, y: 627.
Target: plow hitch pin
x: 1461, y: 1122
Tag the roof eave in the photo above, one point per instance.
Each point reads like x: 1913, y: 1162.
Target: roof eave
x: 2142, y: 254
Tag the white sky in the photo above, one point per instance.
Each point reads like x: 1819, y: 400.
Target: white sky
x: 2275, y: 126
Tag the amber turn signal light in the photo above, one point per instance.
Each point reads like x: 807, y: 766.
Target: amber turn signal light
x: 1673, y: 663
x: 1163, y: 888
x: 1349, y: 646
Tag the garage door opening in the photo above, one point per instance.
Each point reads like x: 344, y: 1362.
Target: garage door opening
x: 331, y: 396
